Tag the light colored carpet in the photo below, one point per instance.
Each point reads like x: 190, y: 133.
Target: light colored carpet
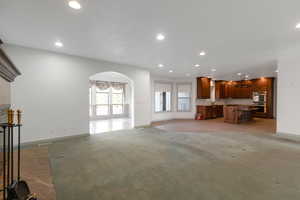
x: 148, y: 164
x: 258, y: 125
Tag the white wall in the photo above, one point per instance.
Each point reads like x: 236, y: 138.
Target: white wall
x: 288, y: 92
x: 111, y: 77
x: 53, y: 92
x: 4, y: 92
x: 173, y: 114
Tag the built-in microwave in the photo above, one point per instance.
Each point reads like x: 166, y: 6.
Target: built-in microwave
x: 260, y: 98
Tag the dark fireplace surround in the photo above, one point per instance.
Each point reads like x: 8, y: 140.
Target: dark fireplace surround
x: 8, y: 72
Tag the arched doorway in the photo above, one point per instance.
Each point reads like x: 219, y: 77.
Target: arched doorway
x: 111, y: 105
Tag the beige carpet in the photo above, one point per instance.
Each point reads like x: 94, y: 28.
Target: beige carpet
x: 148, y: 164
x: 258, y: 125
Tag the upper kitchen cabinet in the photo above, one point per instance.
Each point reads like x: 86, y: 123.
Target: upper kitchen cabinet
x: 222, y: 89
x: 262, y: 84
x: 203, y: 87
x: 233, y: 89
x: 241, y: 89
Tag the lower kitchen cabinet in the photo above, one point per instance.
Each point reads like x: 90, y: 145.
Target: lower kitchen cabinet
x: 209, y: 112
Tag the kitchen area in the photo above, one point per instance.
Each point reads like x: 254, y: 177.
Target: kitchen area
x: 237, y: 102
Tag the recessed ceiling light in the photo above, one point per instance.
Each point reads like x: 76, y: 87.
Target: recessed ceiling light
x: 58, y: 44
x: 247, y: 76
x: 75, y: 5
x: 202, y: 53
x: 277, y: 71
x: 170, y: 71
x: 298, y: 26
x: 188, y: 74
x: 197, y: 65
x: 160, y: 65
x: 239, y: 74
x: 213, y: 70
x: 160, y: 36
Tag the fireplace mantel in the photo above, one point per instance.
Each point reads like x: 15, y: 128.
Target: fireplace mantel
x: 8, y: 70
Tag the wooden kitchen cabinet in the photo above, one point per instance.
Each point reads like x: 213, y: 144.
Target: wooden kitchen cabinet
x: 210, y: 112
x: 205, y: 112
x: 240, y: 89
x: 262, y: 84
x: 203, y: 87
x: 237, y: 113
x: 265, y: 85
x: 221, y: 90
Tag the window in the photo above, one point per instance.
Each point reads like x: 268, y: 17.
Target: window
x: 117, y: 101
x: 163, y: 95
x: 90, y: 100
x: 102, y: 101
x: 184, y: 97
x: 107, y: 99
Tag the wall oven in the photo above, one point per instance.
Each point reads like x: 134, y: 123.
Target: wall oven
x: 260, y: 101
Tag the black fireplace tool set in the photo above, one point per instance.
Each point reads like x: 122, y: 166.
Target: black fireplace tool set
x: 13, y: 189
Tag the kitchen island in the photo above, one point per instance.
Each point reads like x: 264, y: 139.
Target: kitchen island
x: 238, y: 113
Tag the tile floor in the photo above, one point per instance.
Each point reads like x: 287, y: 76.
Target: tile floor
x: 102, y: 126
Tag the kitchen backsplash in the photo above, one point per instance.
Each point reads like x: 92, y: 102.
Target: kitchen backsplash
x: 224, y: 101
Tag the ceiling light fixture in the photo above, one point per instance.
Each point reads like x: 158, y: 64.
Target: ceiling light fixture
x: 197, y: 65
x: 160, y: 65
x: 298, y: 26
x: 239, y: 74
x: 247, y: 76
x: 160, y: 37
x: 170, y: 71
x: 75, y: 5
x: 58, y: 44
x: 202, y: 53
x: 213, y: 70
x: 277, y: 71
x: 188, y: 74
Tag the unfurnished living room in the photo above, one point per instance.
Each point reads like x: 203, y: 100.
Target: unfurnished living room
x: 144, y: 100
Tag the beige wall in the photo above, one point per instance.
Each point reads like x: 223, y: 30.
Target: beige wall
x: 4, y: 92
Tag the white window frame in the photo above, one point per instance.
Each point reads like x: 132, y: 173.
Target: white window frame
x: 110, y: 105
x: 190, y: 98
x: 171, y: 96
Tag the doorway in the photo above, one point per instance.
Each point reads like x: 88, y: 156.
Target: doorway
x: 110, y: 102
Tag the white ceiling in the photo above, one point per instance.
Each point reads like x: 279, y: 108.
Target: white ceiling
x: 238, y: 35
